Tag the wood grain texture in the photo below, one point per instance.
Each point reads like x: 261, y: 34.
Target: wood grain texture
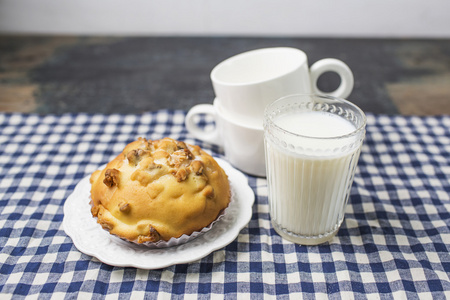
x: 59, y: 74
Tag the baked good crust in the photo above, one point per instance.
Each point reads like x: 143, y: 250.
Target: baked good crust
x: 156, y: 190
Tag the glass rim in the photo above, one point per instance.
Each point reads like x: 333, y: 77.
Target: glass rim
x: 268, y: 119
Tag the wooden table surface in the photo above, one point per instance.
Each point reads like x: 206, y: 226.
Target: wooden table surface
x: 59, y: 74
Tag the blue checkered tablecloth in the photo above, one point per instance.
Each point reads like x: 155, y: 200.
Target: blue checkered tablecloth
x: 394, y: 242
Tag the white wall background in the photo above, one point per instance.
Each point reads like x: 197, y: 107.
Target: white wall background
x: 297, y: 18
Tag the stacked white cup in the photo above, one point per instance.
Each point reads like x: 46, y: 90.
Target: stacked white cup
x: 244, y: 85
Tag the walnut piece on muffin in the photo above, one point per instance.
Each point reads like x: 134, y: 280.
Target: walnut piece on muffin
x: 158, y: 190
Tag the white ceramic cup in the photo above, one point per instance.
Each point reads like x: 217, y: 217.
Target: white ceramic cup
x: 243, y: 144
x: 248, y: 82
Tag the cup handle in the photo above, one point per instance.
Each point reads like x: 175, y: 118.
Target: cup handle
x: 333, y: 65
x: 209, y: 136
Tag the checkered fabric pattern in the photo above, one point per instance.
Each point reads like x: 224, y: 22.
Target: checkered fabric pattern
x: 394, y: 242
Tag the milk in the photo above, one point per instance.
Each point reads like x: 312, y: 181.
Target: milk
x: 310, y: 175
x: 315, y: 124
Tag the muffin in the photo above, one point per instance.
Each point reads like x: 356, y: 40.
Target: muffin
x: 157, y: 190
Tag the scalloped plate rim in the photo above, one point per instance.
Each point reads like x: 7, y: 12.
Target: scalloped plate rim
x: 245, y: 196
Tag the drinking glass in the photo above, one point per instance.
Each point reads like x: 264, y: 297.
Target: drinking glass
x: 312, y: 146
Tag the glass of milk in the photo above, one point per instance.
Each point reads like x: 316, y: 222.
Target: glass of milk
x: 312, y: 146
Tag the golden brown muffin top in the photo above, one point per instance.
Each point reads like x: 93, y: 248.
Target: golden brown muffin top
x: 156, y: 190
